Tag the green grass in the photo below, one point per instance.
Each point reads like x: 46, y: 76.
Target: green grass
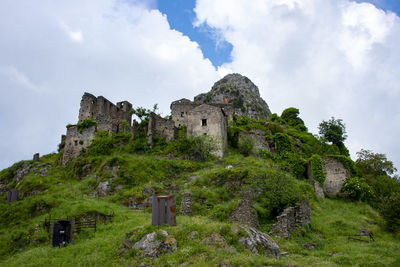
x: 66, y: 192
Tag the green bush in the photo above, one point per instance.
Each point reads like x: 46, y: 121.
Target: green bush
x: 291, y: 117
x: 85, y: 124
x: 246, y: 145
x: 357, y: 189
x: 283, y: 142
x: 193, y: 147
x: 317, y: 167
x: 102, y: 144
x: 390, y: 209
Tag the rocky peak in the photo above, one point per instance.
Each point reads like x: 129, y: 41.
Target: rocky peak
x: 239, y: 91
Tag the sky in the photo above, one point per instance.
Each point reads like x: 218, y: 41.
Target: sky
x: 327, y: 58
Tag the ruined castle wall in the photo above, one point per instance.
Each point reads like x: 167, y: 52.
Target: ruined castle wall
x: 76, y: 141
x: 209, y: 120
x: 107, y: 115
x: 159, y: 126
x: 180, y: 109
x: 336, y: 174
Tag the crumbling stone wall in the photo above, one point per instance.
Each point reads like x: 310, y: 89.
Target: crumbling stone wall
x: 76, y: 141
x: 244, y: 213
x: 209, y: 120
x: 186, y: 204
x: 107, y: 115
x: 258, y: 136
x: 292, y: 219
x: 180, y: 109
x: 319, y: 191
x: 336, y: 174
x: 159, y: 126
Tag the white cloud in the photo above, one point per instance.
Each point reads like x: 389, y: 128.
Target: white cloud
x: 328, y: 58
x: 126, y: 51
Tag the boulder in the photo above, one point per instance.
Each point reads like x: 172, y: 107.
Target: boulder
x: 156, y: 243
x: 102, y: 190
x: 214, y: 240
x: 256, y: 241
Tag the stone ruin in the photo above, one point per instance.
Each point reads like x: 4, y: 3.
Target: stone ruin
x: 108, y: 116
x: 292, y: 219
x: 336, y: 175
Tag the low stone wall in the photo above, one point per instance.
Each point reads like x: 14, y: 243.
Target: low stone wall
x: 292, y: 219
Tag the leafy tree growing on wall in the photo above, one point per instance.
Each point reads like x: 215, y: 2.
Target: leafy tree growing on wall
x: 334, y: 130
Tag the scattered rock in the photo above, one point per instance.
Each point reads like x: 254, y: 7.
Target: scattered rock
x: 225, y: 263
x: 291, y: 219
x: 155, y: 244
x: 310, y: 245
x: 192, y: 178
x: 256, y: 240
x: 215, y: 240
x: 186, y: 204
x: 193, y: 235
x: 228, y: 167
x: 148, y: 190
x: 102, y: 190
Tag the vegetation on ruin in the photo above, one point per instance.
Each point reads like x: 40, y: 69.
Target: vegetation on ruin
x: 277, y: 178
x: 85, y: 124
x: 317, y: 167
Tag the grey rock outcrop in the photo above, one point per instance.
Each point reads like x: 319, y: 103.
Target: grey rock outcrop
x: 239, y: 91
x: 156, y: 243
x: 292, y: 219
x: 102, y: 190
x: 255, y: 241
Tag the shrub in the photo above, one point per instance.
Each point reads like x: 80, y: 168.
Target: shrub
x: 102, y: 144
x: 196, y: 148
x: 246, y: 145
x: 390, y: 210
x: 291, y: 117
x: 283, y: 143
x: 85, y: 124
x: 357, y: 189
x: 317, y: 167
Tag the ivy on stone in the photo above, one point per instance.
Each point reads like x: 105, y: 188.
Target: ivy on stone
x: 317, y: 167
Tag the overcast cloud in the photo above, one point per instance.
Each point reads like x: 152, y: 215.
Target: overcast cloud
x: 327, y: 58
x: 53, y: 51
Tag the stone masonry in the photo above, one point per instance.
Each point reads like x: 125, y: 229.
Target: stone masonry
x: 336, y: 174
x: 209, y: 120
x: 76, y: 141
x: 291, y: 219
x: 159, y: 126
x: 108, y: 116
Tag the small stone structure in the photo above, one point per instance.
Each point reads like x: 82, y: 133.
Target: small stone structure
x: 209, y: 120
x: 186, y: 204
x: 291, y: 219
x: 159, y: 126
x: 108, y: 116
x: 75, y: 141
x: 336, y: 174
x: 36, y: 157
x: 244, y: 214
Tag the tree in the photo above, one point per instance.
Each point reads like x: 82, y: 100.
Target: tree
x: 291, y: 117
x: 333, y: 130
x: 374, y: 163
x: 143, y: 113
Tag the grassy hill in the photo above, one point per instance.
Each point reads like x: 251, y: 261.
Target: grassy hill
x: 132, y: 168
